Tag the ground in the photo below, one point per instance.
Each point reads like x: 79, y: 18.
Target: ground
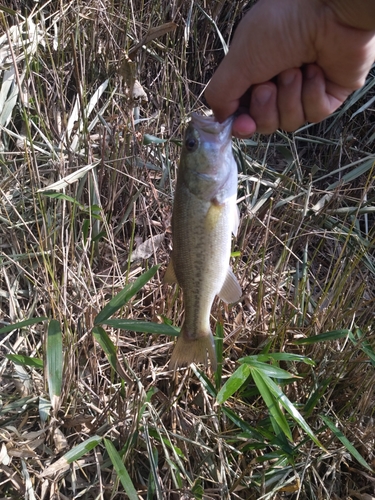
x: 94, y: 98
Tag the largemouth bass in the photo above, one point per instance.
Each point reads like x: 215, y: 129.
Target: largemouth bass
x: 204, y: 216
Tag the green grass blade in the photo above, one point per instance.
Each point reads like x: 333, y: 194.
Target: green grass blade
x: 20, y: 359
x: 121, y: 470
x: 143, y: 326
x: 22, y: 324
x: 219, y: 353
x: 315, y: 396
x: 246, y: 428
x: 262, y: 382
x: 7, y: 10
x: 54, y: 360
x: 359, y: 338
x: 354, y: 173
x: 345, y: 441
x: 204, y: 380
x: 44, y: 409
x: 323, y: 337
x: 82, y: 448
x: 101, y: 336
x: 234, y: 382
x: 152, y: 139
x: 124, y: 296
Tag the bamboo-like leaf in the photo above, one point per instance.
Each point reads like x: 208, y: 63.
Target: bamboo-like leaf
x: 261, y: 380
x: 22, y: 324
x: 69, y: 179
x: 62, y: 196
x: 156, y: 434
x: 279, y: 356
x: 323, y: 337
x: 20, y: 359
x: 234, y: 382
x: 345, y: 441
x: 269, y: 370
x: 54, y: 360
x: 124, y: 296
x: 121, y: 470
x: 290, y: 408
x: 18, y: 405
x: 134, y: 325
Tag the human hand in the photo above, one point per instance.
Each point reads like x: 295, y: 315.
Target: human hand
x: 313, y: 57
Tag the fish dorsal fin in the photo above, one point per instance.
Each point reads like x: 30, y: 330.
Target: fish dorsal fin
x: 170, y: 275
x: 231, y: 290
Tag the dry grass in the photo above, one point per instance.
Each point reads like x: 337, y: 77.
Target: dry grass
x: 305, y: 260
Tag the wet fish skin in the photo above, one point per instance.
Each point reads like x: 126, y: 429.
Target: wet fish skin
x: 204, y: 216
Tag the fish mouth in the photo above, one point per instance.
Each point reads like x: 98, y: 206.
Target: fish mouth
x: 204, y: 177
x: 210, y: 125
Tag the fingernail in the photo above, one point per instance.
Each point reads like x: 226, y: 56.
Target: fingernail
x: 287, y: 78
x: 263, y: 95
x: 310, y: 72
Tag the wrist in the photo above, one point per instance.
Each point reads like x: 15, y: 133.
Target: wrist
x: 358, y: 14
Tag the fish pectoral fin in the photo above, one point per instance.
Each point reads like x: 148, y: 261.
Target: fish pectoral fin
x: 236, y: 220
x: 231, y: 290
x: 170, y: 275
x: 213, y: 215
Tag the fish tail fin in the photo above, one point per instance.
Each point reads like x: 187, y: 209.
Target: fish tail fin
x: 198, y: 350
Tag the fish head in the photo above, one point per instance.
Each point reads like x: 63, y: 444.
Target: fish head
x: 207, y: 161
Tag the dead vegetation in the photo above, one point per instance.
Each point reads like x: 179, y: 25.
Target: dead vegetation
x: 88, y: 163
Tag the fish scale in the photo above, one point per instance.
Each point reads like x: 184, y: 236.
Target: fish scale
x: 204, y: 217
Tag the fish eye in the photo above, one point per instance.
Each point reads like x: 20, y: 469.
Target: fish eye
x: 191, y: 144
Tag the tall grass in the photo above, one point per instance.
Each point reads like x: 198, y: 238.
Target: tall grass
x: 88, y: 164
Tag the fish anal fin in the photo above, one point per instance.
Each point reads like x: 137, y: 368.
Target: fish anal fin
x: 170, y: 275
x: 231, y: 290
x: 198, y: 350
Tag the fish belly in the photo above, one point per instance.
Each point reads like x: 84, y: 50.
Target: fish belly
x: 201, y: 252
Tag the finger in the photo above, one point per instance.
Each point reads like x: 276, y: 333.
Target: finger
x: 289, y: 103
x: 320, y: 98
x: 223, y: 92
x: 243, y: 126
x: 263, y: 107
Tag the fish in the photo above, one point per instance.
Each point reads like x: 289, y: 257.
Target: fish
x: 204, y: 217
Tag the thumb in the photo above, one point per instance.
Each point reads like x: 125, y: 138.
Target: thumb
x: 226, y: 87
